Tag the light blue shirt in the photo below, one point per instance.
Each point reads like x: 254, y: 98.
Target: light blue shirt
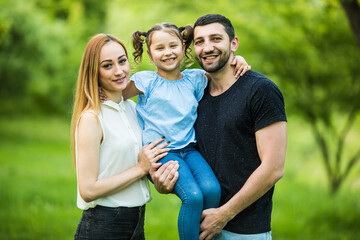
x: 169, y: 108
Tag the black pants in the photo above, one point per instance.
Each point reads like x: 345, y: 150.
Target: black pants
x: 112, y: 223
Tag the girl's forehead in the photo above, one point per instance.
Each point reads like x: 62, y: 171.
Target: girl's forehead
x: 164, y: 34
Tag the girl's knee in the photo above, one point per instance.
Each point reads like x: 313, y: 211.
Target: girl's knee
x: 194, y: 198
x: 212, y: 195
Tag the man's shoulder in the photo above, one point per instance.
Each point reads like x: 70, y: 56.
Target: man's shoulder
x: 258, y: 80
x: 253, y: 76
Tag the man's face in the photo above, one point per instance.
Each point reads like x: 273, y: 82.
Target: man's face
x: 212, y: 46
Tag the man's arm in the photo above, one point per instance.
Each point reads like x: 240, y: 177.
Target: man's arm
x: 271, y: 145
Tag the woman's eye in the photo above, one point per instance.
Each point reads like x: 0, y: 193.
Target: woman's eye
x: 107, y: 65
x: 122, y: 61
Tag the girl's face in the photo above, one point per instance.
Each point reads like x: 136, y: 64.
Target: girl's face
x: 114, y: 68
x: 166, y: 51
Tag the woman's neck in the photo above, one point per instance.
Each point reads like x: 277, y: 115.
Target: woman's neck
x: 113, y: 96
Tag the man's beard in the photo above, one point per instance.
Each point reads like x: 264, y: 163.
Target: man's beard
x: 220, y: 64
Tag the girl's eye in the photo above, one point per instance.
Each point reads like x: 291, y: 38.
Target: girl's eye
x: 173, y: 46
x: 122, y: 61
x: 107, y: 65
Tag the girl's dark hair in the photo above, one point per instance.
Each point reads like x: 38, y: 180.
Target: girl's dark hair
x: 185, y: 34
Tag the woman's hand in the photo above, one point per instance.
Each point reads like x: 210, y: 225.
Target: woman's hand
x: 152, y: 153
x: 241, y: 66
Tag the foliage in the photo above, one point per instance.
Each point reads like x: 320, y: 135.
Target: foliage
x: 305, y: 46
x: 38, y: 189
x: 315, y: 57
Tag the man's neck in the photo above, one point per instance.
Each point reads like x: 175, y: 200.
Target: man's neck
x: 221, y: 80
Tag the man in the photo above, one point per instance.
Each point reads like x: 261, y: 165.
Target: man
x: 241, y: 132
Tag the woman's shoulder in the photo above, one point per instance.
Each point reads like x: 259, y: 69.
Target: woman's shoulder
x: 89, y: 120
x: 88, y: 116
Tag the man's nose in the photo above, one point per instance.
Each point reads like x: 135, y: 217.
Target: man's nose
x: 208, y: 47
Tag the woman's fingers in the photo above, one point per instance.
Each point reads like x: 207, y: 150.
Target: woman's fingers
x: 156, y: 142
x: 160, y: 155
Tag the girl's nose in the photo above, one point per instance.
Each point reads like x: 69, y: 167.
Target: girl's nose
x: 168, y: 51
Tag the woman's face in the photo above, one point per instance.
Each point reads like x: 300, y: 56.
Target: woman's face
x: 114, y: 68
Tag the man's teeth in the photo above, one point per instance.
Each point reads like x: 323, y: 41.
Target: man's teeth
x: 209, y: 58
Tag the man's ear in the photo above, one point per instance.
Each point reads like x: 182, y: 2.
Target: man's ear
x: 234, y: 44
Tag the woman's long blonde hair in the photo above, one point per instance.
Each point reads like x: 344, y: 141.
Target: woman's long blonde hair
x: 87, y: 89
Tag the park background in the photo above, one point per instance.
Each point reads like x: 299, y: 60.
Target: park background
x: 309, y: 48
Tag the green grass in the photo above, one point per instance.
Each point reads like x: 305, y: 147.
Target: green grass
x: 38, y: 189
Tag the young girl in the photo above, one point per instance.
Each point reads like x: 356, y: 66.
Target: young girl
x: 106, y: 140
x: 167, y: 106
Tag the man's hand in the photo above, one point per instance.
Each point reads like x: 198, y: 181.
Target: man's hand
x: 165, y: 176
x: 213, y: 220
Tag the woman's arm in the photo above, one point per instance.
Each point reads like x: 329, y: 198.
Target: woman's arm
x: 130, y: 90
x: 88, y: 151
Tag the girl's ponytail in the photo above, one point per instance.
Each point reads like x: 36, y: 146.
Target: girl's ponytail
x: 138, y: 42
x: 187, y: 33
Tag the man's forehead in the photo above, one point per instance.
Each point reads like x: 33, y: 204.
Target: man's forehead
x: 209, y: 30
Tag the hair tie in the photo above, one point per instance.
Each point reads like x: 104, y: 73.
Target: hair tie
x: 144, y: 34
x: 181, y: 29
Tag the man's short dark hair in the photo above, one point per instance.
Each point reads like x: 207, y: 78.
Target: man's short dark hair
x: 216, y: 18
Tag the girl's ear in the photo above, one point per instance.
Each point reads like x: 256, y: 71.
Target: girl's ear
x: 149, y: 54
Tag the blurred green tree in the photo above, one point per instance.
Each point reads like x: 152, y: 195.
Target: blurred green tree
x: 40, y: 53
x: 310, y: 50
x: 352, y: 11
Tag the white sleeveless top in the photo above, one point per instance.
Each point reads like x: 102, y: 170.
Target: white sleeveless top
x: 118, y: 152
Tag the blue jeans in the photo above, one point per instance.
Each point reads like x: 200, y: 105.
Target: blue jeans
x: 197, y: 187
x: 112, y: 223
x: 226, y: 235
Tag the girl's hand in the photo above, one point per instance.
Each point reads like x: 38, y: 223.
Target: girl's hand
x: 241, y: 66
x: 152, y: 153
x: 102, y: 95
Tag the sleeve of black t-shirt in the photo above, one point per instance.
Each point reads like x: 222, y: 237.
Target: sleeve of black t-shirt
x: 266, y: 103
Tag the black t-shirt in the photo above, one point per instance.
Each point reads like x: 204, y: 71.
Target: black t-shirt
x: 225, y: 131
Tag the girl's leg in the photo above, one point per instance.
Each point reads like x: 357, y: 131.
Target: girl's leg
x: 205, y: 178
x: 191, y: 196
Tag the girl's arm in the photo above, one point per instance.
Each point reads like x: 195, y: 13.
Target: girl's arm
x: 88, y: 151
x: 240, y: 66
x: 130, y: 90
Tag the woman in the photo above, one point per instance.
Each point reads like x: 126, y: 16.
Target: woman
x: 106, y: 138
